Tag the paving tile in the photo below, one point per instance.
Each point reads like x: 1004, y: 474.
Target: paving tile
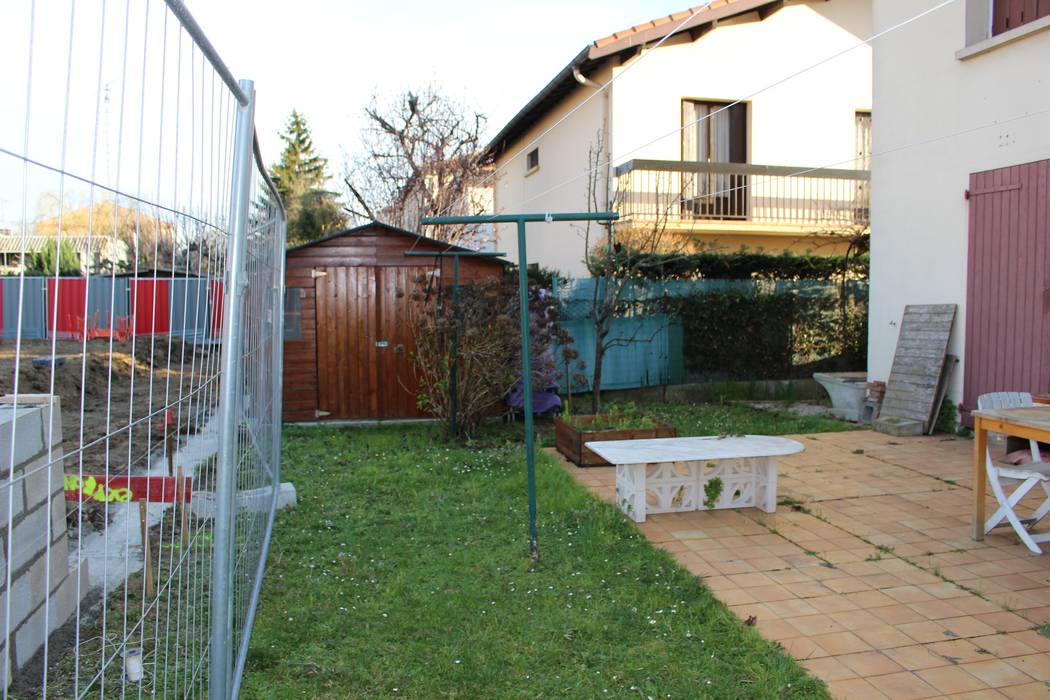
x: 916, y: 657
x: 1035, y: 665
x: 855, y: 689
x: 803, y: 648
x: 869, y: 663
x: 1028, y: 691
x: 951, y: 679
x: 903, y: 686
x: 813, y: 625
x: 958, y: 651
x: 829, y: 669
x: 996, y: 673
x: 883, y: 637
x: 1002, y: 645
x: 841, y: 643
x: 1005, y: 621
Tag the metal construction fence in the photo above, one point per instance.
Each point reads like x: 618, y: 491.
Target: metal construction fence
x: 186, y: 307
x: 647, y: 348
x: 140, y: 413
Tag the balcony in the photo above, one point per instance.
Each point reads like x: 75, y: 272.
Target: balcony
x: 695, y: 195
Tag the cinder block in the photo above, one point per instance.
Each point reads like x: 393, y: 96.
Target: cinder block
x: 62, y: 604
x: 59, y: 562
x: 27, y: 592
x: 59, y: 524
x: 898, y: 427
x: 29, y: 538
x: 23, y: 426
x: 30, y: 637
x: 51, y: 407
x: 36, y: 478
x: 10, y: 495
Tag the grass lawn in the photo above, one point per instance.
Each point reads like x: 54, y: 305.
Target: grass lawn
x: 404, y: 572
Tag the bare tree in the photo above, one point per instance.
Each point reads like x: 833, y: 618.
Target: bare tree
x: 620, y: 253
x: 422, y: 157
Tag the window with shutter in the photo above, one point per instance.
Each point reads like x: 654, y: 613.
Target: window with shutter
x: 1010, y: 14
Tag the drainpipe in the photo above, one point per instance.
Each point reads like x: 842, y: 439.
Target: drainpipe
x: 607, y: 134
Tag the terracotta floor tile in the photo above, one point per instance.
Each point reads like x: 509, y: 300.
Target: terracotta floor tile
x: 924, y: 632
x: 809, y: 589
x: 1033, y: 639
x: 832, y: 604
x: 803, y: 648
x: 829, y: 669
x: 869, y: 663
x: 951, y: 679
x: 883, y: 637
x: 854, y: 689
x: 958, y: 651
x: 903, y: 686
x: 793, y: 607
x: 770, y: 593
x: 1028, y: 691
x: 935, y: 609
x: 1002, y: 646
x: 908, y: 594
x: 1035, y: 665
x: 915, y: 657
x: 776, y: 629
x: 870, y: 599
x: 857, y: 619
x: 1005, y: 621
x: 988, y: 694
x: 838, y: 643
x: 813, y: 625
x: 847, y: 584
x: 996, y: 673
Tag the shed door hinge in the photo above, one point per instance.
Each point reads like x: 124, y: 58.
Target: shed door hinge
x: 321, y: 414
x: 317, y: 273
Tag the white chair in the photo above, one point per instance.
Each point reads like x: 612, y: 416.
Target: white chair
x: 1030, y: 475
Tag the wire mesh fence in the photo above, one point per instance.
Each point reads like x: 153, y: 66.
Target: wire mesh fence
x: 142, y: 247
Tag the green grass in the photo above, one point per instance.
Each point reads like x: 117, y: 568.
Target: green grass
x: 736, y: 418
x: 404, y: 572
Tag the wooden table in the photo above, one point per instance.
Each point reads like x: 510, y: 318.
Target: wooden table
x: 668, y: 475
x: 1031, y: 422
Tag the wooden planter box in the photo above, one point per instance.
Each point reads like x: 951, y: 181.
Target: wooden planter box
x: 570, y: 440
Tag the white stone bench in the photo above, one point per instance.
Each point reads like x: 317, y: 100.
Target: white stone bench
x: 669, y: 475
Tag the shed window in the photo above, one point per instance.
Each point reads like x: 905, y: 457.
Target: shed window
x: 532, y: 160
x: 293, y: 314
x: 1010, y: 14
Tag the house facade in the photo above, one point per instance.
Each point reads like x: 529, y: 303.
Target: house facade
x: 785, y: 169
x: 960, y: 192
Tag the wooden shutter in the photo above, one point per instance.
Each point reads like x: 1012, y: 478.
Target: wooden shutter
x: 1010, y: 14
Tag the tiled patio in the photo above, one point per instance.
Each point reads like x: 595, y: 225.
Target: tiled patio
x: 870, y: 577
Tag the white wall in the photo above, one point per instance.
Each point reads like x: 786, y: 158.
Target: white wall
x: 563, y: 157
x: 919, y: 217
x: 808, y: 121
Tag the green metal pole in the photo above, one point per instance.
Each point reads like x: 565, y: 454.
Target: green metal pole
x: 454, y: 370
x: 526, y: 379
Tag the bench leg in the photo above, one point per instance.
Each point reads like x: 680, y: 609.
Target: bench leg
x: 766, y: 484
x: 630, y: 491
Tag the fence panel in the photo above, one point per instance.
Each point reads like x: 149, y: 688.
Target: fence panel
x: 139, y: 432
x: 648, y: 348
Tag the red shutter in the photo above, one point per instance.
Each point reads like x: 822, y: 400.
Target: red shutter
x: 1007, y: 345
x: 1009, y: 14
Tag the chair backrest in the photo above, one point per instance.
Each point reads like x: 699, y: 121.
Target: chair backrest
x: 1004, y: 399
x: 1008, y: 399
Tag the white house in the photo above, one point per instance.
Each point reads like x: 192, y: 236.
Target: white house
x: 961, y: 186
x: 672, y: 151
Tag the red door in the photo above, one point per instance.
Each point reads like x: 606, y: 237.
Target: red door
x: 1008, y: 283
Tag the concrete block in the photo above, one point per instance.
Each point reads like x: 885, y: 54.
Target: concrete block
x: 62, y: 604
x: 41, y: 481
x: 51, y: 408
x: 24, y: 427
x: 286, y: 496
x: 59, y: 562
x: 59, y: 525
x: 29, y: 538
x: 12, y: 502
x: 29, y: 638
x: 898, y: 427
x: 28, y: 592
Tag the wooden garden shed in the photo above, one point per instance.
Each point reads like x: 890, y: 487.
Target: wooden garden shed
x: 349, y: 338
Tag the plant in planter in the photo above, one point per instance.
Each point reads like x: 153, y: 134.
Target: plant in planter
x: 617, y: 422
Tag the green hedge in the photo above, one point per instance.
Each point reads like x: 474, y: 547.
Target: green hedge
x: 737, y: 335
x: 742, y: 265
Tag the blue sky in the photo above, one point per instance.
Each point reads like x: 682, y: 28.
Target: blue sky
x: 327, y: 58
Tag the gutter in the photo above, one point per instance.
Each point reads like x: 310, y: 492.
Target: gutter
x: 606, y: 131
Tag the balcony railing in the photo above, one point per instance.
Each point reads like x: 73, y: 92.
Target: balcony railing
x: 678, y: 191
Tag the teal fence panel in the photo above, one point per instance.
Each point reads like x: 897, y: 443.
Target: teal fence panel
x: 648, y: 349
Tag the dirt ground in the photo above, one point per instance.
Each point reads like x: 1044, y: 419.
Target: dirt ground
x: 134, y: 383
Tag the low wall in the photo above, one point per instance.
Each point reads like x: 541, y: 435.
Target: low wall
x: 43, y: 590
x: 705, y: 392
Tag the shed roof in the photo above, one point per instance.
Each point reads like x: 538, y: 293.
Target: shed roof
x: 619, y: 44
x: 448, y: 247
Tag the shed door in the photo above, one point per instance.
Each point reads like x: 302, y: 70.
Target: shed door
x: 365, y: 342
x: 1008, y: 284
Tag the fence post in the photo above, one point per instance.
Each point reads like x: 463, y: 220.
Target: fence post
x: 221, y: 633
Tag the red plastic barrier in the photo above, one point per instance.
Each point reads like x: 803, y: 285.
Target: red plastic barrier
x: 150, y: 306
x: 216, y: 294
x: 69, y: 319
x: 124, y: 489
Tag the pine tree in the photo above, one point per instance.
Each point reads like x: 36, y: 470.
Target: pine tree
x: 300, y: 177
